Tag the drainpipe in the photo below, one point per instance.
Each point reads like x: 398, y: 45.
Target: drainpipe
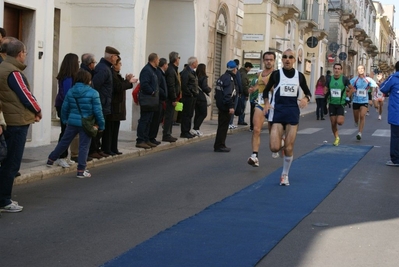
x: 267, y: 33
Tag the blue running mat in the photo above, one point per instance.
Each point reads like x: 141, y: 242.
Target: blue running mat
x: 243, y: 228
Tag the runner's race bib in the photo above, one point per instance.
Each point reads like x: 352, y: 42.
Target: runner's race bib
x: 336, y: 93
x: 361, y: 92
x: 288, y: 90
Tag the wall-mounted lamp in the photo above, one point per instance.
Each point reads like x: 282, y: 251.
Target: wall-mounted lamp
x: 310, y: 54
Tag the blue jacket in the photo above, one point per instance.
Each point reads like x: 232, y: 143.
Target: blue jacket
x: 89, y: 103
x: 391, y: 86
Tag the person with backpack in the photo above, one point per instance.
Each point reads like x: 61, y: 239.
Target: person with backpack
x: 225, y: 94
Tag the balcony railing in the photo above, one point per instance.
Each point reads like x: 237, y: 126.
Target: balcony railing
x: 296, y: 3
x: 324, y: 21
x: 346, y: 6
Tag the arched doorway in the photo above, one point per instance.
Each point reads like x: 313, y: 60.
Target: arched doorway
x: 220, y: 43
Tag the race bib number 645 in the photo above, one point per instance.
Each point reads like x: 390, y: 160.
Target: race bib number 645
x: 289, y: 90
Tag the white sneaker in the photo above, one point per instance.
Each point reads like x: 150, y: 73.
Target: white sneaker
x: 253, y: 161
x: 284, y: 180
x: 69, y: 161
x: 13, y: 207
x: 275, y: 155
x: 62, y: 163
x: 356, y: 124
x: 367, y: 114
x: 193, y: 132
x: 199, y: 133
x: 379, y: 117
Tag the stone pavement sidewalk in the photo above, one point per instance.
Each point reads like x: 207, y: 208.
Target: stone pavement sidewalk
x: 33, y: 167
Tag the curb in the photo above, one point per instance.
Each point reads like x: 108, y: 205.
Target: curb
x: 43, y: 172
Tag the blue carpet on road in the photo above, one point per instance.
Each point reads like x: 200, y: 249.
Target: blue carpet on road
x: 242, y: 228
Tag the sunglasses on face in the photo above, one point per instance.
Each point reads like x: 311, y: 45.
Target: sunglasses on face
x: 290, y: 57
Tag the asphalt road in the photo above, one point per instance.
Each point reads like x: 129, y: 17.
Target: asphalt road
x: 86, y: 222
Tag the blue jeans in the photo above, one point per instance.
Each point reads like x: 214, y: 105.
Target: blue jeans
x: 235, y: 107
x: 394, y: 147
x: 15, y: 139
x: 241, y: 118
x: 69, y: 135
x: 143, y: 128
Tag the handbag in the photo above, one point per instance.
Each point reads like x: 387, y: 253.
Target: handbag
x: 149, y: 101
x: 207, y: 97
x: 88, y: 123
x: 3, y: 147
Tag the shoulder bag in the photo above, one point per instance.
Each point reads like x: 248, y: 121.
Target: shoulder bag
x: 207, y: 97
x: 88, y: 123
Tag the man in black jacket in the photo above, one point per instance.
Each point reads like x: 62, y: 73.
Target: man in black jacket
x: 149, y: 101
x: 189, y: 87
x: 102, y: 82
x: 225, y: 94
x: 173, y: 84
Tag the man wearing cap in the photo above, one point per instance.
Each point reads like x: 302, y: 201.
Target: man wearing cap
x: 225, y: 93
x: 102, y: 82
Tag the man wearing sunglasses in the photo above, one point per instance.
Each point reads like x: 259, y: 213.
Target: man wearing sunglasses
x: 283, y: 108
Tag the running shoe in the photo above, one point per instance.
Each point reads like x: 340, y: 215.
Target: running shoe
x: 284, y: 180
x: 367, y: 114
x: 275, y: 155
x: 379, y: 117
x: 253, y: 160
x: 359, y: 136
x: 336, y: 142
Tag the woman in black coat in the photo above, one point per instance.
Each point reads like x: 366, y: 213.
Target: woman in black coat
x: 201, y: 107
x: 118, y: 103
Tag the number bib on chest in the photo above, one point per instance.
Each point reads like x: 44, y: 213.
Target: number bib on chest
x: 289, y: 90
x: 336, y: 93
x: 361, y: 92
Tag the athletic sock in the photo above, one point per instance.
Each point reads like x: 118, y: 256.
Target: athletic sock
x: 256, y: 153
x: 287, y: 164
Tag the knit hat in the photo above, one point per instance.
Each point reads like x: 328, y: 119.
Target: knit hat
x: 231, y: 65
x: 111, y: 50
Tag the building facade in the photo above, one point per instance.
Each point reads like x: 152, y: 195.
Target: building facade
x: 210, y: 30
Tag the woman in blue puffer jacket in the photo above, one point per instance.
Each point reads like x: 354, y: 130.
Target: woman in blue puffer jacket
x: 89, y: 103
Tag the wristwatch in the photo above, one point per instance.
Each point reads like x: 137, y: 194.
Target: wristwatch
x: 308, y: 97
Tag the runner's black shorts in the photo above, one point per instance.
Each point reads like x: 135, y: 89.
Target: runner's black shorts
x: 358, y: 105
x: 336, y: 110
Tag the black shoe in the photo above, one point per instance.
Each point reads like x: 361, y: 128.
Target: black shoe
x: 175, y: 124
x: 110, y: 153
x: 74, y: 159
x: 187, y: 135
x: 117, y: 152
x: 88, y: 159
x: 18, y: 174
x: 323, y: 119
x: 242, y: 123
x: 170, y: 139
x: 223, y: 149
x: 155, y: 142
